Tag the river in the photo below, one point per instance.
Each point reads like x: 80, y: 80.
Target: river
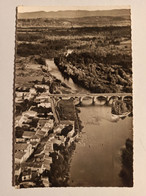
x: 97, y: 158
x: 53, y: 69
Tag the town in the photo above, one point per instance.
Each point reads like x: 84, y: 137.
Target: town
x: 40, y: 135
x: 61, y: 66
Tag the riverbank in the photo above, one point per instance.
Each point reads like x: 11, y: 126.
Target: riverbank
x: 33, y: 70
x: 127, y: 163
x: 60, y: 168
x: 92, y: 72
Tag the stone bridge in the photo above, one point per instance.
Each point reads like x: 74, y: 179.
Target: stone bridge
x: 97, y: 99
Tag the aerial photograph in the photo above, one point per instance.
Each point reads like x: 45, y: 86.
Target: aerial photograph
x: 73, y: 97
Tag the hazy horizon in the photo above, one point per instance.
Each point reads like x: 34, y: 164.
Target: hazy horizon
x: 27, y: 9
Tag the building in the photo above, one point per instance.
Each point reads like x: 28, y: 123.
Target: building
x: 17, y: 173
x: 35, y: 138
x: 28, y: 134
x: 48, y: 148
x: 49, y: 124
x: 56, y: 141
x: 34, y: 144
x: 62, y: 138
x: 45, y: 105
x: 20, y: 157
x: 46, y: 165
x: 23, y: 151
x: 36, y: 166
x: 20, y: 140
x: 29, y: 113
x: 45, y: 181
x: 32, y: 91
x: 41, y: 133
x: 48, y: 158
x: 58, y: 129
x: 26, y: 175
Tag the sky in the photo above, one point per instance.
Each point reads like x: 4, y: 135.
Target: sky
x: 22, y: 9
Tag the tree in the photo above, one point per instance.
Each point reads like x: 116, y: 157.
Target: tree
x: 43, y: 81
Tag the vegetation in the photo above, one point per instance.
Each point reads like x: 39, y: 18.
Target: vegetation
x: 66, y: 110
x: 127, y: 164
x: 120, y: 107
x: 101, y: 59
x: 97, y: 73
x: 59, y: 174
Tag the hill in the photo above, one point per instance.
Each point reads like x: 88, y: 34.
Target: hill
x: 74, y: 14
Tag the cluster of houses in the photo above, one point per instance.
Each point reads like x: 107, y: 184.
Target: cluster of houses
x: 36, y: 139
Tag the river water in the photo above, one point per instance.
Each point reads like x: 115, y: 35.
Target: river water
x: 97, y: 158
x: 53, y: 69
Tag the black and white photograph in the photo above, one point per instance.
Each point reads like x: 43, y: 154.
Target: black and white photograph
x: 73, y: 97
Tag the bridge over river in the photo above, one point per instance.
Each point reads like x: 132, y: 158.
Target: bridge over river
x: 97, y: 98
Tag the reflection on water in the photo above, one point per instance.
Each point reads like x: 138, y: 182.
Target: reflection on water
x: 97, y: 157
x: 53, y: 69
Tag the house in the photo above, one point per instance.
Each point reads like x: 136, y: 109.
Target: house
x: 49, y: 124
x: 43, y: 97
x: 47, y: 158
x: 28, y: 134
x: 26, y: 175
x: 19, y: 97
x: 34, y: 144
x: 51, y: 136
x: 45, y: 130
x: 35, y: 138
x: 19, y: 94
x: 46, y: 165
x: 48, y: 148
x: 22, y: 120
x: 45, y: 105
x: 20, y: 157
x: 42, y: 86
x: 18, y: 100
x: 32, y: 91
x: 23, y: 148
x: 29, y: 113
x: 71, y: 133
x: 37, y: 166
x: 58, y: 129
x: 17, y: 170
x: 62, y: 138
x: 56, y: 141
x: 20, y: 140
x: 42, y: 133
x: 45, y: 181
x: 39, y: 136
x: 41, y: 122
x: 40, y: 157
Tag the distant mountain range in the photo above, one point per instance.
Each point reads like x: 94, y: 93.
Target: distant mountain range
x: 74, y: 14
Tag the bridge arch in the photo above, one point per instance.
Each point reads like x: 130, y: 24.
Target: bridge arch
x: 127, y: 98
x: 87, y: 100
x: 110, y: 99
x: 77, y: 100
x: 100, y: 100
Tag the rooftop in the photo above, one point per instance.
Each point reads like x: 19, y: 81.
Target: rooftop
x: 21, y: 146
x: 19, y: 155
x: 28, y: 134
x: 34, y: 137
